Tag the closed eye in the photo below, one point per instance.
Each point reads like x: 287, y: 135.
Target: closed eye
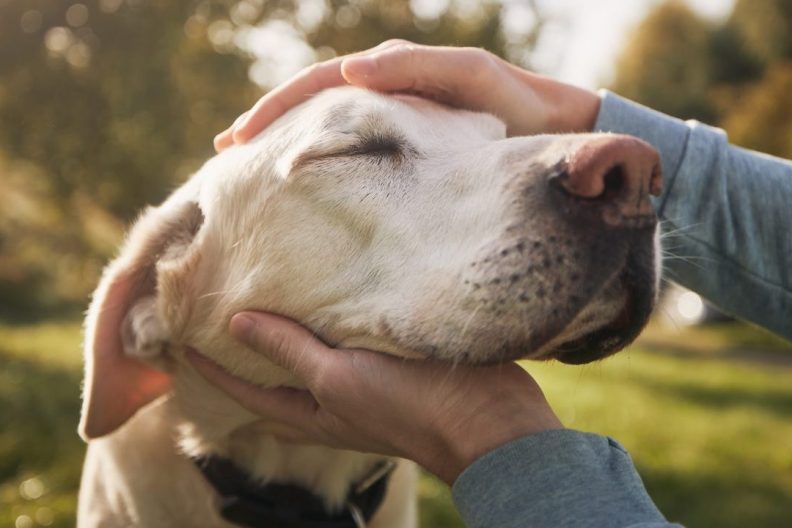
x: 376, y: 147
x: 379, y: 145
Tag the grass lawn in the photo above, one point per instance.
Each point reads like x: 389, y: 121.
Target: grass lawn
x: 711, y: 432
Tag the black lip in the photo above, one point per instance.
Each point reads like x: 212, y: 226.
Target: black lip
x: 639, y: 281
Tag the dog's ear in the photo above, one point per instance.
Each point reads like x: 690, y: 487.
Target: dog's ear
x: 124, y: 324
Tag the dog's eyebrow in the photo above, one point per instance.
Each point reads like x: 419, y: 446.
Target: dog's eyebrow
x: 336, y: 114
x: 366, y: 123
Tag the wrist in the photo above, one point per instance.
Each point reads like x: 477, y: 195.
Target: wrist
x: 569, y: 108
x: 456, y: 448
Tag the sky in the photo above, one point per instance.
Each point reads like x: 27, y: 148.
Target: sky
x: 596, y: 33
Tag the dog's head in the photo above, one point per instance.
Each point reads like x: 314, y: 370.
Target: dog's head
x: 389, y: 223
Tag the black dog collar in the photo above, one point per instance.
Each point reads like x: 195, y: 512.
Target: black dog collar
x: 247, y: 503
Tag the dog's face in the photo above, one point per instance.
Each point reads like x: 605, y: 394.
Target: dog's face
x: 400, y: 225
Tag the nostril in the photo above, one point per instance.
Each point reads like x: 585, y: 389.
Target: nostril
x: 612, y: 178
x: 612, y: 183
x: 608, y: 186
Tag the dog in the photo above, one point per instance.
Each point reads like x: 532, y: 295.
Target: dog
x: 385, y: 222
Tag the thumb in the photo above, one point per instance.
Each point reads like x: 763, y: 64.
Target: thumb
x: 283, y: 341
x: 283, y: 404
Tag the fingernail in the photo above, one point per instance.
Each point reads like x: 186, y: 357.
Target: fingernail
x: 242, y: 327
x: 365, y: 65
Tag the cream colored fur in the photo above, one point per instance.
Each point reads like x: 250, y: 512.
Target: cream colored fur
x: 388, y: 223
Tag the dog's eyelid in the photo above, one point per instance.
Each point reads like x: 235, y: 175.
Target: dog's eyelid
x: 379, y: 143
x: 373, y: 144
x: 388, y: 142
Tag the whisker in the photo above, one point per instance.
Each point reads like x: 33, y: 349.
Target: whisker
x: 689, y: 257
x: 679, y: 231
x: 222, y: 292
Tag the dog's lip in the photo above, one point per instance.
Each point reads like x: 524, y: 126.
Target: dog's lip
x: 619, y: 332
x: 597, y: 344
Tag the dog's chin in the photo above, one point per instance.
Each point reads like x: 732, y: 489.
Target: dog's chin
x: 620, y: 331
x: 602, y: 342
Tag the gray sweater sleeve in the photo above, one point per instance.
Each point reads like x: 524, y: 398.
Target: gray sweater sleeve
x: 726, y: 214
x: 556, y: 479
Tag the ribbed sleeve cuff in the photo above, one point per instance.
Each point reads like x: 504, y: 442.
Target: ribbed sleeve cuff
x: 556, y: 478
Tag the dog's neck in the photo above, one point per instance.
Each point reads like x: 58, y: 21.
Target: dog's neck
x: 209, y: 422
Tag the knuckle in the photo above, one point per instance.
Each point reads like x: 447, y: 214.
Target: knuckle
x: 481, y: 64
x: 404, y: 49
x: 278, y: 342
x: 321, y: 383
x: 329, y: 380
x: 479, y: 58
x: 395, y: 42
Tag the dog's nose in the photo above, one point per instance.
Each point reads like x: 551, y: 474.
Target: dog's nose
x: 615, y: 174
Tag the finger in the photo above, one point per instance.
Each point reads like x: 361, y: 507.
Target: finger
x: 278, y: 101
x: 436, y: 70
x: 225, y: 138
x: 285, y: 342
x: 291, y: 406
x: 300, y: 88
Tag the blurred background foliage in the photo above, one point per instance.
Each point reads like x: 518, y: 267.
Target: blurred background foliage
x: 107, y: 105
x: 735, y: 74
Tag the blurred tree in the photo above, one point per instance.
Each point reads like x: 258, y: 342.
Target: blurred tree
x: 758, y: 114
x: 735, y: 74
x: 765, y: 28
x: 667, y: 64
x: 732, y: 62
x: 763, y: 118
x: 107, y: 96
x: 108, y: 103
x: 105, y: 105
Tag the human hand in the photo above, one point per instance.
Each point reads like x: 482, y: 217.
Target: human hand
x: 469, y: 78
x: 444, y: 417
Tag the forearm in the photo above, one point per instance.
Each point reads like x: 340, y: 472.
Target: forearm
x: 557, y: 478
x: 725, y: 214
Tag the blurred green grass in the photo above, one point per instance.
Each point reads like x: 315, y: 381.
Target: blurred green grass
x: 710, y: 431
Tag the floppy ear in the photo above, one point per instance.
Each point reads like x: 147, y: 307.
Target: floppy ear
x: 124, y: 325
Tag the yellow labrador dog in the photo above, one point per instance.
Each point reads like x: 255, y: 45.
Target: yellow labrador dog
x: 381, y: 222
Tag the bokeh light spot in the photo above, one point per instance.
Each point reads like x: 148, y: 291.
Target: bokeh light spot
x: 58, y: 39
x: 32, y: 488
x: 23, y: 521
x: 77, y: 15
x: 30, y: 21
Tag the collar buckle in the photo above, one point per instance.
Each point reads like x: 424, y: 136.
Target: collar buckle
x: 377, y: 474
x: 380, y: 471
x: 357, y: 515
